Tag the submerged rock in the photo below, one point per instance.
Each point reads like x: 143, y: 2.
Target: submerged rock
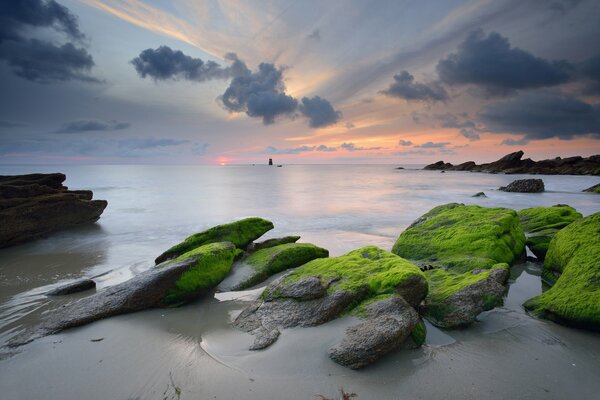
x: 79, y: 285
x: 171, y: 283
x: 389, y: 323
x: 241, y: 233
x: 35, y: 205
x: 524, y: 186
x: 271, y: 260
x: 470, y: 248
x: 322, y: 289
x: 572, y: 264
x: 593, y: 189
x: 542, y: 223
x: 455, y: 300
x: 479, y: 194
x: 272, y: 243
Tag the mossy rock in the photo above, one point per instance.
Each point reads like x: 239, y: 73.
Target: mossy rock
x: 369, y: 270
x: 455, y: 300
x: 595, y: 188
x: 271, y: 260
x: 272, y: 243
x: 463, y: 238
x: 573, y: 255
x: 212, y: 264
x: 241, y: 233
x: 542, y: 223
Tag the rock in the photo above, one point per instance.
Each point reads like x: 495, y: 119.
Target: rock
x: 542, y: 223
x: 479, y: 194
x: 573, y: 256
x: 388, y: 324
x: 455, y: 300
x: 322, y: 289
x: 399, y: 167
x: 524, y: 186
x: 241, y: 233
x: 272, y: 243
x: 171, y: 283
x: 35, y: 205
x: 463, y: 238
x: 269, y: 261
x: 514, y: 164
x: 79, y: 285
x: 593, y: 189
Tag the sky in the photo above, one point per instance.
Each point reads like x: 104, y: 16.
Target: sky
x: 337, y: 81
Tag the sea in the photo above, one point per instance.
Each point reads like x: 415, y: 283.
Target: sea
x: 193, y: 352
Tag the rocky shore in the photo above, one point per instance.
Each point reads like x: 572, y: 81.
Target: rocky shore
x: 514, y: 164
x: 35, y: 205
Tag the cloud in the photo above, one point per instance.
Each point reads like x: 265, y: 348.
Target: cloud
x: 164, y: 63
x: 405, y: 87
x: 325, y: 148
x: 402, y: 142
x: 38, y: 60
x: 415, y: 153
x: 149, y: 143
x: 260, y: 94
x: 352, y: 147
x: 467, y: 127
x: 319, y: 112
x: 300, y: 149
x: 315, y: 35
x: 515, y: 142
x: 491, y: 63
x: 200, y: 148
x: 90, y: 125
x: 543, y: 115
x: 589, y: 71
x: 432, y: 145
x: 11, y: 124
x: 349, y: 125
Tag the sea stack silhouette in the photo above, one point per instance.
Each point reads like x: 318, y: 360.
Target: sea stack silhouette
x: 270, y: 161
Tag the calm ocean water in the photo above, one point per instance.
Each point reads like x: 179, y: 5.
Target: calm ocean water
x: 339, y: 207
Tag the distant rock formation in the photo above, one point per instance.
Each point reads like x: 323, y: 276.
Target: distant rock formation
x: 513, y: 164
x: 524, y: 186
x: 35, y: 205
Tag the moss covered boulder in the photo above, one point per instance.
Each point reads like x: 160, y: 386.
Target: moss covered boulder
x: 172, y: 283
x: 463, y: 238
x: 593, y: 189
x: 455, y: 300
x: 272, y: 243
x: 323, y: 289
x: 241, y: 233
x: 268, y: 261
x: 573, y: 264
x: 542, y: 223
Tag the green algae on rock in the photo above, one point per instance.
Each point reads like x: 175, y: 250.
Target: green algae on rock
x: 463, y: 238
x: 455, y: 300
x: 212, y: 263
x: 271, y: 260
x: 542, y: 223
x: 241, y: 233
x: 595, y: 188
x: 573, y: 255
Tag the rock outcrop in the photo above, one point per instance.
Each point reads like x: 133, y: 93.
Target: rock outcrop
x: 542, y: 223
x: 524, y: 186
x: 593, y: 189
x: 572, y: 266
x: 513, y: 164
x: 77, y: 286
x: 255, y: 246
x: 35, y: 205
x: 171, y: 283
x: 323, y: 289
x: 470, y: 249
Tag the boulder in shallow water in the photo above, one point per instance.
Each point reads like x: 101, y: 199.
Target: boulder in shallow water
x: 572, y: 264
x: 593, y: 189
x: 524, y: 186
x: 322, y: 289
x: 271, y: 260
x: 542, y: 223
x: 168, y: 284
x: 241, y: 233
x: 77, y: 286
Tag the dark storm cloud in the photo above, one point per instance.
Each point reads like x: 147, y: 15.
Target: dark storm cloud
x: 432, y: 145
x: 164, y: 63
x: 488, y: 61
x: 260, y: 94
x: 467, y: 127
x: 542, y: 116
x: 11, y: 124
x: 352, y: 147
x: 319, y: 112
x: 589, y: 72
x: 405, y: 87
x: 38, y: 60
x: 402, y: 142
x: 89, y: 125
x: 515, y: 142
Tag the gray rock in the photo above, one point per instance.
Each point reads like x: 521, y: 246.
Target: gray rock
x: 271, y: 243
x: 305, y: 289
x: 388, y: 325
x: 479, y: 194
x: 73, y: 287
x: 524, y: 186
x: 593, y: 189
